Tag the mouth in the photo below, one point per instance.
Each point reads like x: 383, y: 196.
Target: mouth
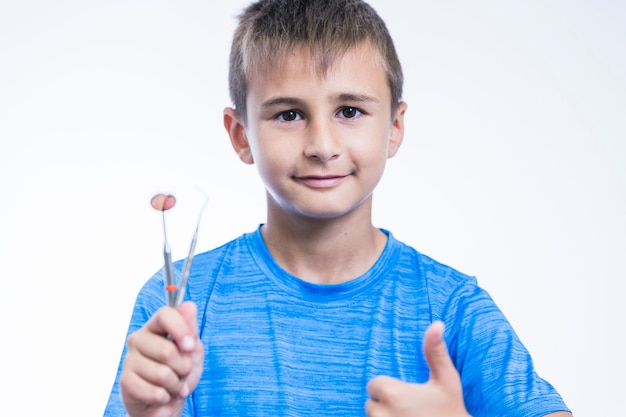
x: 321, y: 181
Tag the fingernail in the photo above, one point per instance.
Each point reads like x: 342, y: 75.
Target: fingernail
x: 184, y: 391
x: 437, y: 329
x: 188, y: 343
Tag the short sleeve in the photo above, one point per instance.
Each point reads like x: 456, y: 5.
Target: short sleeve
x: 497, y: 371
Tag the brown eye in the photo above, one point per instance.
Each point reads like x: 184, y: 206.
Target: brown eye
x: 289, y: 116
x: 349, y: 112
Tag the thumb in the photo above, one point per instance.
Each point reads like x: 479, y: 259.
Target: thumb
x: 442, y: 369
x: 189, y: 311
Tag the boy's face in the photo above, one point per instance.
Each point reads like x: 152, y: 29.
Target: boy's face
x: 320, y: 142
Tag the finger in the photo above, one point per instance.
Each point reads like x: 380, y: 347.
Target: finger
x: 137, y: 390
x: 169, y: 321
x: 382, y: 388
x: 161, y: 350
x: 374, y: 408
x: 441, y: 366
x: 154, y: 376
x: 189, y: 311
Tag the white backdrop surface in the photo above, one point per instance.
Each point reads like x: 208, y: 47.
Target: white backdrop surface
x: 513, y: 169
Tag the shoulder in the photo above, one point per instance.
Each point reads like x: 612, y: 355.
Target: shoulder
x: 233, y: 257
x: 205, y: 267
x: 445, y: 286
x: 434, y: 274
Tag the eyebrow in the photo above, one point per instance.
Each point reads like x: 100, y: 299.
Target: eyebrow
x: 294, y: 101
x: 281, y: 101
x: 359, y: 98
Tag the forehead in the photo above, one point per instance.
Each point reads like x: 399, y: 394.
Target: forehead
x: 359, y: 67
x: 261, y: 62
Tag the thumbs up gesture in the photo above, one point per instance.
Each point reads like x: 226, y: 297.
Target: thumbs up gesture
x: 441, y: 396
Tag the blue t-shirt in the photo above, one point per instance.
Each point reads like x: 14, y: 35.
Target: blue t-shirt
x: 277, y: 346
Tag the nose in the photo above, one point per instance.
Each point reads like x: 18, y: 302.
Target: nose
x: 322, y: 142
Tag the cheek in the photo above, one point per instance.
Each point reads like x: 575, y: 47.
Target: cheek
x: 275, y: 149
x: 372, y: 153
x: 271, y: 162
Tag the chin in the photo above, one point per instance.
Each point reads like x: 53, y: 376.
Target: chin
x: 326, y: 212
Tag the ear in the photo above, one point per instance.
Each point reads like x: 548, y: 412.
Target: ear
x: 237, y: 132
x: 397, y: 130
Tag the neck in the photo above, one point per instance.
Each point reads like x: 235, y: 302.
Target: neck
x: 324, y: 251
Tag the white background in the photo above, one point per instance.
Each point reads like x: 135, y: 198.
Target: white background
x: 513, y: 170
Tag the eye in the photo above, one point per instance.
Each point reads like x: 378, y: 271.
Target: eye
x: 349, y: 112
x: 289, y: 116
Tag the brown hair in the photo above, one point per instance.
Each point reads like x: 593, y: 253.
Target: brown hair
x: 268, y: 29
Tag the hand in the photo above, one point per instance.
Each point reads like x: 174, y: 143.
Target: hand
x: 159, y: 372
x: 441, y: 396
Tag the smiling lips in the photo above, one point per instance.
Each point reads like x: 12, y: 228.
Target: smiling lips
x: 321, y: 181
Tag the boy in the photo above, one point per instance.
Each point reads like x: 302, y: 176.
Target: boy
x: 318, y: 312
